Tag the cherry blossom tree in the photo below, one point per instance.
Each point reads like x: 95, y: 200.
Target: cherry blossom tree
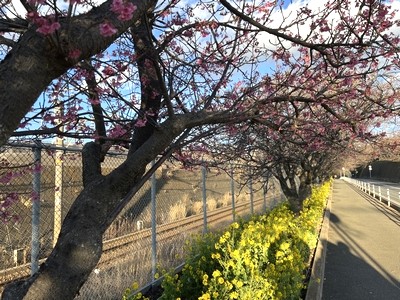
x: 305, y: 139
x: 152, y: 76
x: 290, y: 157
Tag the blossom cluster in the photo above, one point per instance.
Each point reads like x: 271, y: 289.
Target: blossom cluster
x: 45, y: 25
x: 9, y: 176
x: 6, y: 203
x: 124, y: 10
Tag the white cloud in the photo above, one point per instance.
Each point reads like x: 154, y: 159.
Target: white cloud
x: 15, y: 8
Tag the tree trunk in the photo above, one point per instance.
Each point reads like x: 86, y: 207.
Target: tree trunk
x: 79, y: 245
x: 295, y: 193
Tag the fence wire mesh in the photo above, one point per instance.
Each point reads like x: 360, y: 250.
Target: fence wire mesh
x: 149, y: 234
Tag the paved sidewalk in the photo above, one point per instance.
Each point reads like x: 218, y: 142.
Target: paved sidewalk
x: 363, y: 248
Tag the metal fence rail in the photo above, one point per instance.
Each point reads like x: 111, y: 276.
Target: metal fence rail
x: 379, y: 190
x: 147, y: 237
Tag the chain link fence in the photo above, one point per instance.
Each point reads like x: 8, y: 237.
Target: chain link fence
x: 39, y: 183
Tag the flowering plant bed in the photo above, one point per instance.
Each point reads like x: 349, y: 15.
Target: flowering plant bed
x: 266, y: 257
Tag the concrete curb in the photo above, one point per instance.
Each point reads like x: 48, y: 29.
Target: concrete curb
x: 314, y: 289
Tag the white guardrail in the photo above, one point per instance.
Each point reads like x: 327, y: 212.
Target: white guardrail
x: 386, y: 192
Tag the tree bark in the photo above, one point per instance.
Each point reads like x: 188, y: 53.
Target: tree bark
x: 295, y: 193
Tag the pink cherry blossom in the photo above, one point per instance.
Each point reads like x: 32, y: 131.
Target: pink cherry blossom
x: 5, y: 207
x: 46, y: 25
x: 141, y: 122
x: 108, y: 71
x: 107, y: 29
x: 123, y: 9
x: 117, y: 132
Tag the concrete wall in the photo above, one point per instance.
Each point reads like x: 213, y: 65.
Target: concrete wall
x: 382, y: 170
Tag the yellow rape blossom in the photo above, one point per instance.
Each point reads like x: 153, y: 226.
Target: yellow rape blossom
x: 234, y: 295
x: 235, y: 225
x: 235, y: 254
x: 215, y: 256
x: 263, y: 259
x: 205, y: 279
x: 135, y: 285
x: 205, y: 296
x: 216, y: 273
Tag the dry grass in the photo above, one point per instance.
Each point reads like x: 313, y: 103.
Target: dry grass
x: 225, y: 200
x: 197, y: 207
x: 177, y: 211
x: 111, y: 282
x: 211, y: 204
x: 241, y: 197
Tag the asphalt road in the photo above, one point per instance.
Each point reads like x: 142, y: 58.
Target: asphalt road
x: 363, y: 249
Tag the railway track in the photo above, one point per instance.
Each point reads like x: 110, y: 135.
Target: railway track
x: 120, y: 247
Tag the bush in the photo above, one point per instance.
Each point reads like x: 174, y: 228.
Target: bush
x: 264, y: 258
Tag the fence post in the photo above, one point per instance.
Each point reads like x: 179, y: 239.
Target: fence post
x: 369, y: 188
x: 58, y: 193
x: 251, y: 196
x: 388, y: 196
x: 204, y: 194
x: 373, y: 190
x: 233, y: 194
x: 153, y: 225
x: 380, y: 194
x: 35, y: 243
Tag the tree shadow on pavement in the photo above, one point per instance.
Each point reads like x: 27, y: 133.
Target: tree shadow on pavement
x: 349, y: 276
